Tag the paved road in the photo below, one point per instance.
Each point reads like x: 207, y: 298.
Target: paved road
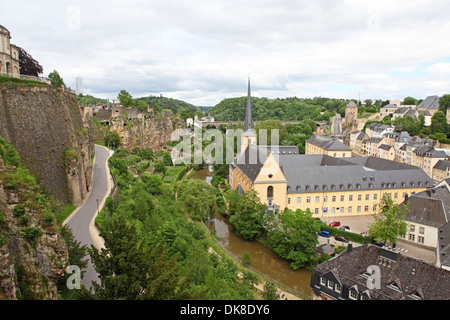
x: 82, y: 220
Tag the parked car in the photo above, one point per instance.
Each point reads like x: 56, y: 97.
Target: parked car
x: 380, y: 244
x: 345, y: 228
x: 341, y: 238
x: 324, y: 233
x: 335, y: 224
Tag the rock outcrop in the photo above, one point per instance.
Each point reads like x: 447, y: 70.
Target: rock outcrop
x: 33, y: 255
x: 45, y: 125
x: 144, y: 129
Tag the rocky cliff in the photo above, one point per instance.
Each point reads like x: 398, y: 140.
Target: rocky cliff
x: 44, y: 124
x: 33, y: 255
x: 144, y: 129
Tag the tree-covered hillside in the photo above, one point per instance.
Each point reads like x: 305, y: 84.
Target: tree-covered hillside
x: 174, y: 105
x: 318, y: 109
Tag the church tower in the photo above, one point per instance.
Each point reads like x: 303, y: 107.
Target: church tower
x: 249, y: 135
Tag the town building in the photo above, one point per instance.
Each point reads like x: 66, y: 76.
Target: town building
x: 426, y: 157
x: 428, y: 211
x: 351, y: 114
x: 330, y: 146
x: 441, y: 170
x: 369, y: 272
x: 9, y: 55
x: 378, y: 130
x: 430, y: 104
x: 328, y: 186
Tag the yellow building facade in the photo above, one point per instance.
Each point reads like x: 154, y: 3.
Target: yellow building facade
x: 328, y: 185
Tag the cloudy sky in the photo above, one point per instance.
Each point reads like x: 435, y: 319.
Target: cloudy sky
x: 203, y: 51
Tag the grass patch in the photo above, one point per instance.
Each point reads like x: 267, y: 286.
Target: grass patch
x: 65, y: 213
x: 11, y: 81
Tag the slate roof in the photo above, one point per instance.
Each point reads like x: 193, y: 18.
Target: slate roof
x: 430, y: 207
x: 322, y: 173
x: 402, y: 278
x: 431, y: 102
x: 430, y: 152
x: 351, y: 104
x: 327, y: 143
x: 442, y: 165
x: 281, y: 149
x: 385, y: 147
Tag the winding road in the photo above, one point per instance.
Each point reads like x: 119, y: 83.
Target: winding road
x: 81, y: 221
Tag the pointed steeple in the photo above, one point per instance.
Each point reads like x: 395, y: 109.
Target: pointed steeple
x: 248, y: 111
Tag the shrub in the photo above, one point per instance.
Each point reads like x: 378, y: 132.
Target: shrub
x: 19, y: 210
x: 31, y: 232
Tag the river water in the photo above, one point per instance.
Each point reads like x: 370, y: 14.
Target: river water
x: 263, y: 259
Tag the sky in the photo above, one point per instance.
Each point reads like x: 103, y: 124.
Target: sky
x: 202, y: 52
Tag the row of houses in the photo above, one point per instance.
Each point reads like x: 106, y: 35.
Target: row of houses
x: 380, y: 141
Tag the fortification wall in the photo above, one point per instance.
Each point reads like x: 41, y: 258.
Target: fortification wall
x: 45, y: 125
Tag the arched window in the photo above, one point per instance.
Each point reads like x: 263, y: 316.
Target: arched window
x: 269, y: 192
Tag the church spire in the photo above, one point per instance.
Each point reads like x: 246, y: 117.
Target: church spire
x: 248, y: 111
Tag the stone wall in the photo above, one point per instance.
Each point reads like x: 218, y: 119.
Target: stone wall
x: 141, y: 129
x: 44, y: 124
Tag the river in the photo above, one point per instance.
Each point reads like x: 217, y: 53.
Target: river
x: 263, y: 259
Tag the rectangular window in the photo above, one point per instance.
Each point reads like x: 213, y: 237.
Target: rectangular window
x: 359, y: 197
x: 342, y: 198
x: 412, y: 227
x: 367, y: 197
x: 421, y: 230
x: 353, y: 295
x: 358, y: 209
x: 411, y: 237
x: 330, y: 284
x: 325, y: 199
x: 316, y: 211
x: 299, y: 200
x: 366, y: 208
x: 375, y: 196
x: 396, y: 195
x: 317, y: 199
x: 350, y: 197
x: 333, y: 210
x: 333, y: 199
x: 289, y: 200
x: 308, y: 199
x: 342, y: 209
x: 337, y: 288
x: 350, y: 209
x: 374, y: 207
x: 420, y: 239
x: 323, y: 281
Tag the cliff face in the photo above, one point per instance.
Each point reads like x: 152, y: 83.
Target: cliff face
x: 44, y: 124
x: 141, y: 129
x: 33, y: 255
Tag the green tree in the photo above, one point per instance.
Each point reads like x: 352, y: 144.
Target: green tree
x: 142, y: 106
x: 389, y: 224
x: 112, y: 139
x: 125, y: 98
x: 160, y: 167
x: 444, y: 103
x: 129, y: 270
x: 439, y: 123
x: 270, y: 291
x: 197, y: 197
x: 154, y: 183
x: 409, y: 101
x: 295, y: 238
x: 56, y: 80
x: 248, y: 217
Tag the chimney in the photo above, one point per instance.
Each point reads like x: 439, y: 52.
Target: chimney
x: 349, y: 247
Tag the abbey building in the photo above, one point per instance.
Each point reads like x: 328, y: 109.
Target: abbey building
x: 328, y: 186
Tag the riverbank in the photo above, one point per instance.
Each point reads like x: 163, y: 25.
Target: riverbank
x: 285, y: 292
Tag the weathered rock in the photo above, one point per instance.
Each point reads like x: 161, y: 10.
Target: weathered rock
x: 30, y: 267
x: 45, y: 125
x: 141, y: 129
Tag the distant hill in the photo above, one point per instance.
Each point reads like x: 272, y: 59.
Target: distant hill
x: 281, y: 109
x: 174, y: 105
